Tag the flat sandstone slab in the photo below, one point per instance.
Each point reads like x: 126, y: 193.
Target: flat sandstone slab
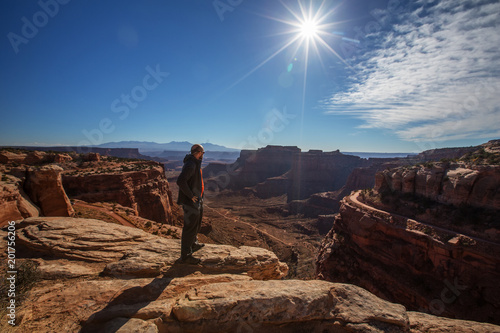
x: 130, y: 252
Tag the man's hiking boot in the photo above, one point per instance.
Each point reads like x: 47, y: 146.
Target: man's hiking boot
x: 190, y: 260
x: 197, y: 246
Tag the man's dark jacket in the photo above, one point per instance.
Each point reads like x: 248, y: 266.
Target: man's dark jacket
x: 189, y: 181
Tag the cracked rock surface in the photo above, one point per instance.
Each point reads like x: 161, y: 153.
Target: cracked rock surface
x: 101, y: 277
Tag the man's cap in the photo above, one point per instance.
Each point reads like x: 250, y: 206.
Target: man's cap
x: 196, y: 148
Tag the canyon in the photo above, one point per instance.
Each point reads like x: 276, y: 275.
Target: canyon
x: 286, y: 231
x: 426, y: 236
x: 276, y: 170
x: 424, y: 267
x: 43, y: 183
x: 99, y: 277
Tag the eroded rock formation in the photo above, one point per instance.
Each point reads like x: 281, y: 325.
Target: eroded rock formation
x: 33, y: 157
x: 277, y: 170
x: 316, y: 171
x: 146, y: 190
x: 447, y: 183
x: 423, y: 267
x: 227, y: 292
x: 273, y: 187
x: 138, y: 185
x: 11, y: 157
x: 116, y: 152
x: 127, y: 251
x: 253, y: 167
x: 324, y: 203
x: 14, y: 203
x: 44, y: 187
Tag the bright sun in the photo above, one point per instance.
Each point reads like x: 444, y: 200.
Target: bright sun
x: 309, y: 29
x: 309, y: 25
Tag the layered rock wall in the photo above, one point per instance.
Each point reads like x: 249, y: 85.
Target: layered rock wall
x: 444, y: 153
x: 454, y: 183
x: 14, y: 203
x: 316, y: 171
x: 146, y: 191
x: 44, y: 187
x: 364, y: 177
x: 253, y: 167
x: 116, y: 152
x: 273, y: 187
x: 420, y: 266
x: 31, y: 158
x: 325, y: 203
x: 277, y: 170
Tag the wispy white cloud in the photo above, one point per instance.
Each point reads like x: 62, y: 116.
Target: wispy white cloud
x: 434, y: 77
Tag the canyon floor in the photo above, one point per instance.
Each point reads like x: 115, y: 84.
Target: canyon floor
x: 239, y: 219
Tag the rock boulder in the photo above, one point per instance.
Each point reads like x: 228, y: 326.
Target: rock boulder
x: 44, y: 187
x: 129, y: 252
x: 14, y: 203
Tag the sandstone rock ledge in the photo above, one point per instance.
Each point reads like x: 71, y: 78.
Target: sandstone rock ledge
x: 134, y: 284
x: 222, y: 303
x: 128, y: 252
x: 411, y: 263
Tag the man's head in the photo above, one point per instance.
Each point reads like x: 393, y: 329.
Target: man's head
x: 197, y: 151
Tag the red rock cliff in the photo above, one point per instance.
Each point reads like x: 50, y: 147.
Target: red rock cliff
x: 14, y: 203
x: 447, y: 183
x: 316, y: 171
x: 44, y: 187
x: 255, y: 166
x: 147, y: 191
x: 420, y: 266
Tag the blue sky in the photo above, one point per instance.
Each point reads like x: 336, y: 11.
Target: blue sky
x: 380, y: 76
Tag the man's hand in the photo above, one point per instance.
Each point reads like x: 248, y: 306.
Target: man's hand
x: 194, y: 199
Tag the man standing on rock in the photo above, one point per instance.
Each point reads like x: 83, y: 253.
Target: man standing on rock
x: 191, y: 188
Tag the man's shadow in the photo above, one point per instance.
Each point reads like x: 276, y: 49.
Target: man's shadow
x: 123, y: 307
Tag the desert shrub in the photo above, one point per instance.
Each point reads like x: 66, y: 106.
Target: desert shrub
x: 482, y: 156
x: 493, y: 159
x: 428, y: 165
x: 427, y: 230
x: 27, y: 276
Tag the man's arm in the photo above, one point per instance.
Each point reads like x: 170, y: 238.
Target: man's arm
x: 186, y: 173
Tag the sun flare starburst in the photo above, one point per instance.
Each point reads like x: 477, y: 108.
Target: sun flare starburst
x: 309, y: 29
x: 309, y: 25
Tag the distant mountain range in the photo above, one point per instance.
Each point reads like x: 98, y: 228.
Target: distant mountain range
x: 182, y: 146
